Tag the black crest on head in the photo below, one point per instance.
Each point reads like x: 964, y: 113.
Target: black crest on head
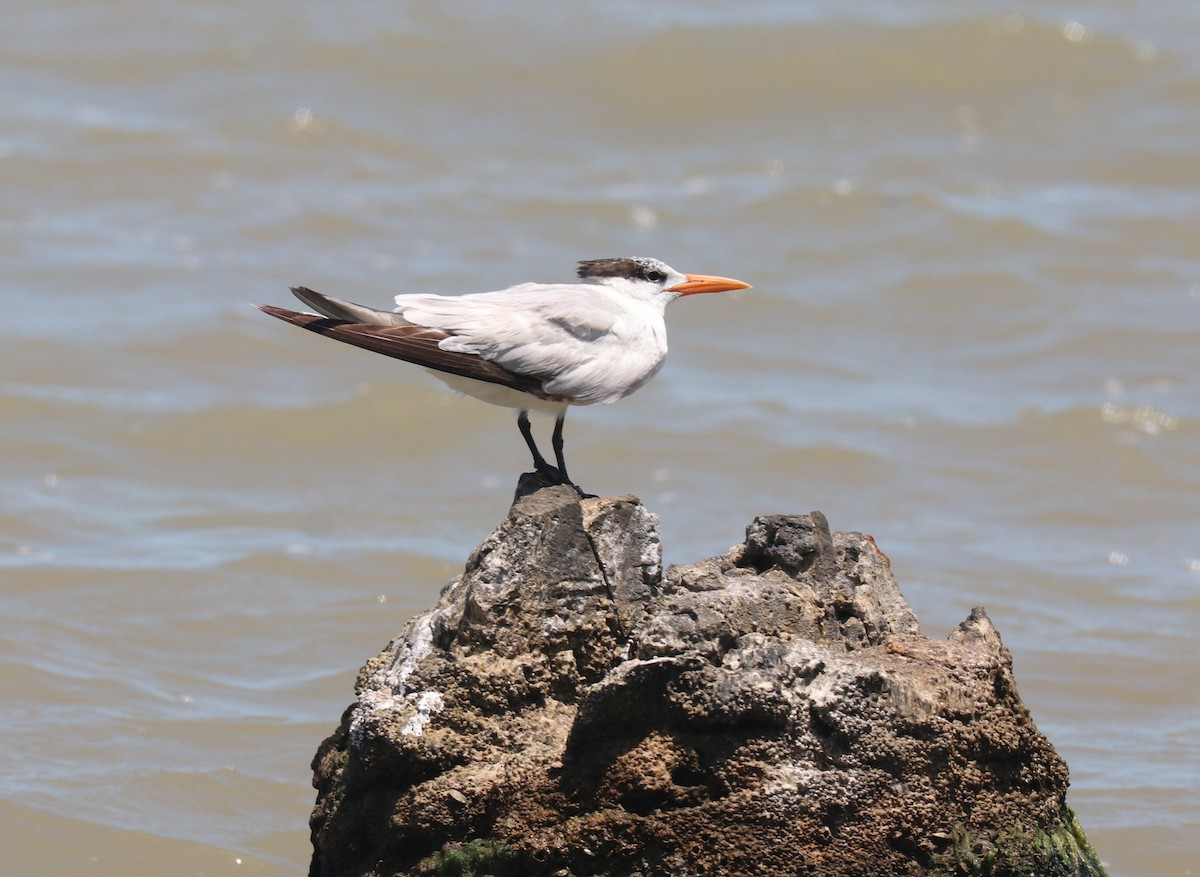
x: 633, y: 268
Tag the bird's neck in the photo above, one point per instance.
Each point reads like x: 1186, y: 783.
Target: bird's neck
x: 640, y: 292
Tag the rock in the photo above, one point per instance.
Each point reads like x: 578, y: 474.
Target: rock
x: 571, y: 708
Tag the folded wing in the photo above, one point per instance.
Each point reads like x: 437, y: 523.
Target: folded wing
x: 413, y: 344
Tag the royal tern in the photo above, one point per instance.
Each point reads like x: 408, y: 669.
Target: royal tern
x: 534, y: 346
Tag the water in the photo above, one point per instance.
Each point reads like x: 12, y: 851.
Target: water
x: 972, y: 236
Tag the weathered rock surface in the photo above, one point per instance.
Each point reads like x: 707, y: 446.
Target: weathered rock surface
x: 573, y: 709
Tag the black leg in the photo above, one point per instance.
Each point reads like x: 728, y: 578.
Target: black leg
x: 556, y: 442
x: 539, y: 462
x: 551, y: 474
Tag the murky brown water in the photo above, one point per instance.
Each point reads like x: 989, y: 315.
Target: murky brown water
x: 973, y: 240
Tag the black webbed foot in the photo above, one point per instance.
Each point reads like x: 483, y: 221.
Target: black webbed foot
x: 531, y: 482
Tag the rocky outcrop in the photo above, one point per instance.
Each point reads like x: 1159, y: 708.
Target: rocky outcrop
x: 571, y: 708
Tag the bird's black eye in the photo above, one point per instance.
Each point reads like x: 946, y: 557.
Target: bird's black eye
x: 656, y: 276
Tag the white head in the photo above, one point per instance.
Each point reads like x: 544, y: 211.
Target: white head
x: 640, y: 275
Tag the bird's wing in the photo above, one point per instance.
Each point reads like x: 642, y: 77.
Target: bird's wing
x: 346, y: 310
x: 533, y: 328
x: 585, y: 342
x: 413, y: 344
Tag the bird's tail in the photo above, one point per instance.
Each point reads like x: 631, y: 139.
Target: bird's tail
x: 337, y: 309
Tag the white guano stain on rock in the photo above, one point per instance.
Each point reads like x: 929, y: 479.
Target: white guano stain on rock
x: 428, y: 703
x: 391, y: 690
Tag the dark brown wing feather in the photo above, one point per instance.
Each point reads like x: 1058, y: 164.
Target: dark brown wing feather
x: 411, y: 344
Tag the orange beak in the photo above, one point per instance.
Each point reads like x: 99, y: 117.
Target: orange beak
x: 706, y: 283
